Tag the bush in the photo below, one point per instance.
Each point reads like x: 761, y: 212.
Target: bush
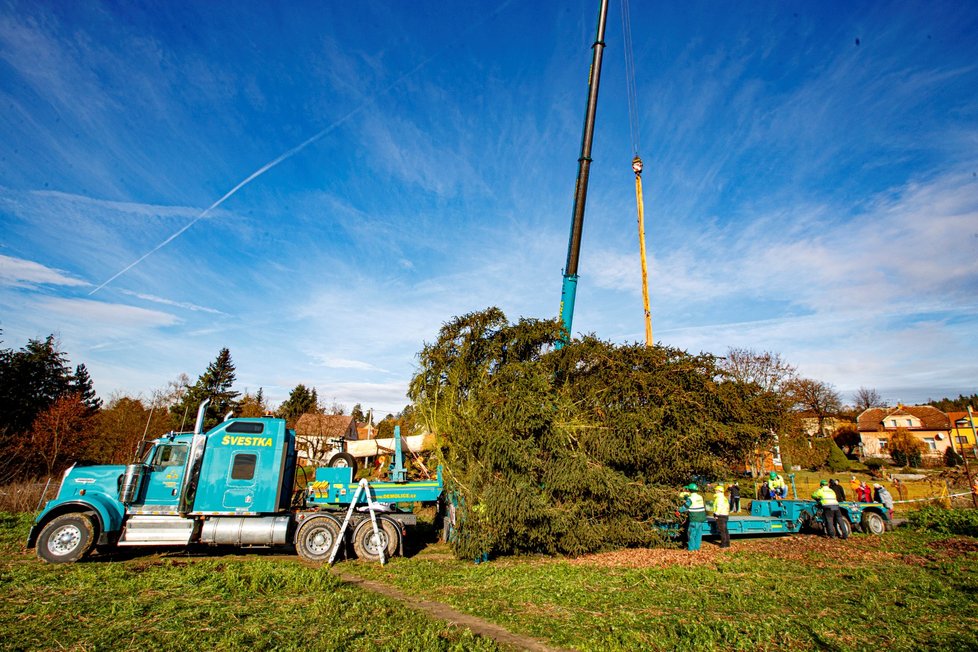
x: 837, y: 460
x: 905, y: 449
x: 946, y: 521
x: 952, y: 458
x: 874, y: 464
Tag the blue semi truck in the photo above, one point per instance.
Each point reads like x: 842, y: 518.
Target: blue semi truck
x: 233, y: 485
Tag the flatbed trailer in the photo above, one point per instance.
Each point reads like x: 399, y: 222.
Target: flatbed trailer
x: 805, y: 516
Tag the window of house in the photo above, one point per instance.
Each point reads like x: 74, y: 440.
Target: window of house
x: 893, y: 423
x: 910, y: 423
x: 962, y: 439
x: 882, y: 445
x: 930, y: 443
x: 243, y: 466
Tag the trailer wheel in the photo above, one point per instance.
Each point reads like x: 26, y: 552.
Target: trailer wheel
x: 366, y: 543
x: 316, y: 537
x: 66, y: 538
x: 843, y: 529
x: 343, y: 460
x: 873, y: 523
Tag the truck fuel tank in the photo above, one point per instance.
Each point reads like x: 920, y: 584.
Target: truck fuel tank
x: 246, y: 530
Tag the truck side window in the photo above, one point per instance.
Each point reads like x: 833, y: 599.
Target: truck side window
x: 170, y: 455
x: 246, y: 426
x: 243, y: 467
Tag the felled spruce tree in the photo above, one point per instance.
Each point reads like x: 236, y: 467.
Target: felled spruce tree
x: 574, y: 450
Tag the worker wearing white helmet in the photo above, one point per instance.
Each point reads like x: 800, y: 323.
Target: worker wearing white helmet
x: 696, y: 508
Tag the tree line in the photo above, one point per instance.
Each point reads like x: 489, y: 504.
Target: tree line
x: 51, y: 417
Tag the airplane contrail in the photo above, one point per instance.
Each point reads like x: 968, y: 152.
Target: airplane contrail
x: 295, y: 150
x: 254, y: 175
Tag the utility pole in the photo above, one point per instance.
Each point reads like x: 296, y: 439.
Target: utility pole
x: 967, y: 469
x: 568, y: 292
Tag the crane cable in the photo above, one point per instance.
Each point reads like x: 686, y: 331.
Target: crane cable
x: 632, y: 92
x: 630, y: 88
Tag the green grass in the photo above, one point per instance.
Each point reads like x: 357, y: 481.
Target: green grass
x: 898, y: 592
x: 906, y: 590
x: 232, y: 602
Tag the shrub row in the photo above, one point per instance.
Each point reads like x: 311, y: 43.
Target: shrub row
x: 946, y: 521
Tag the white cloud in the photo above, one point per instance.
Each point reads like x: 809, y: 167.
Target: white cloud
x: 98, y: 314
x: 342, y: 363
x: 169, y: 302
x: 18, y: 272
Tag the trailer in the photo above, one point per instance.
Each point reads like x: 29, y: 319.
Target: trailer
x: 233, y: 485
x: 800, y: 516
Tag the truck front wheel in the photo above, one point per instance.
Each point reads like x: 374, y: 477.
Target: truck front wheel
x: 316, y: 537
x: 66, y: 538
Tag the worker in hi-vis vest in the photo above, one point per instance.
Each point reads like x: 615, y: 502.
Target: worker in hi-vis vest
x: 721, y: 512
x: 830, y: 510
x: 696, y: 509
x: 777, y: 486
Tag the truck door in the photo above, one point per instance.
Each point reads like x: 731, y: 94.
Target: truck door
x: 165, y: 476
x: 240, y: 492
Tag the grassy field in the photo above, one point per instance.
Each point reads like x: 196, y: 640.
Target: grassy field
x: 232, y: 602
x: 903, y: 591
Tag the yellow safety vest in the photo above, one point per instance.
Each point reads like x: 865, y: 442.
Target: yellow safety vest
x: 826, y: 496
x: 721, y: 506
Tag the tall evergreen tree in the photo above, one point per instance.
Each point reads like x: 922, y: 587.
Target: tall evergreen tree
x: 82, y: 385
x: 357, y: 414
x: 31, y: 380
x: 214, y: 384
x: 254, y: 405
x: 577, y: 449
x: 301, y: 400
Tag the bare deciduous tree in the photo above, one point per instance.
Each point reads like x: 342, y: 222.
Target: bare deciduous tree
x: 866, y: 398
x: 763, y: 368
x: 818, y: 397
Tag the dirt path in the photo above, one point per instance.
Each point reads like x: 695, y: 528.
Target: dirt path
x: 442, y: 611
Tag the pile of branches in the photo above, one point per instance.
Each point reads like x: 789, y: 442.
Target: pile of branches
x: 576, y: 449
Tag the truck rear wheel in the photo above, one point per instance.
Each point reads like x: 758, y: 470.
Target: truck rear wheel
x: 315, y: 539
x: 368, y: 544
x: 66, y: 538
x: 873, y: 523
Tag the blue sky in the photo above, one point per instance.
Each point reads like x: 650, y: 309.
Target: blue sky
x: 811, y: 184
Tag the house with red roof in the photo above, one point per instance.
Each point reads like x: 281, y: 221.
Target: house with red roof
x: 926, y: 423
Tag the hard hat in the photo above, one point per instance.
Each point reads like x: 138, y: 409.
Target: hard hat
x: 691, y: 486
x: 719, y: 487
x: 772, y: 475
x: 878, y: 486
x: 824, y: 483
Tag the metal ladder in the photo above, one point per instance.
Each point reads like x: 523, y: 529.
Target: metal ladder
x: 363, y: 487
